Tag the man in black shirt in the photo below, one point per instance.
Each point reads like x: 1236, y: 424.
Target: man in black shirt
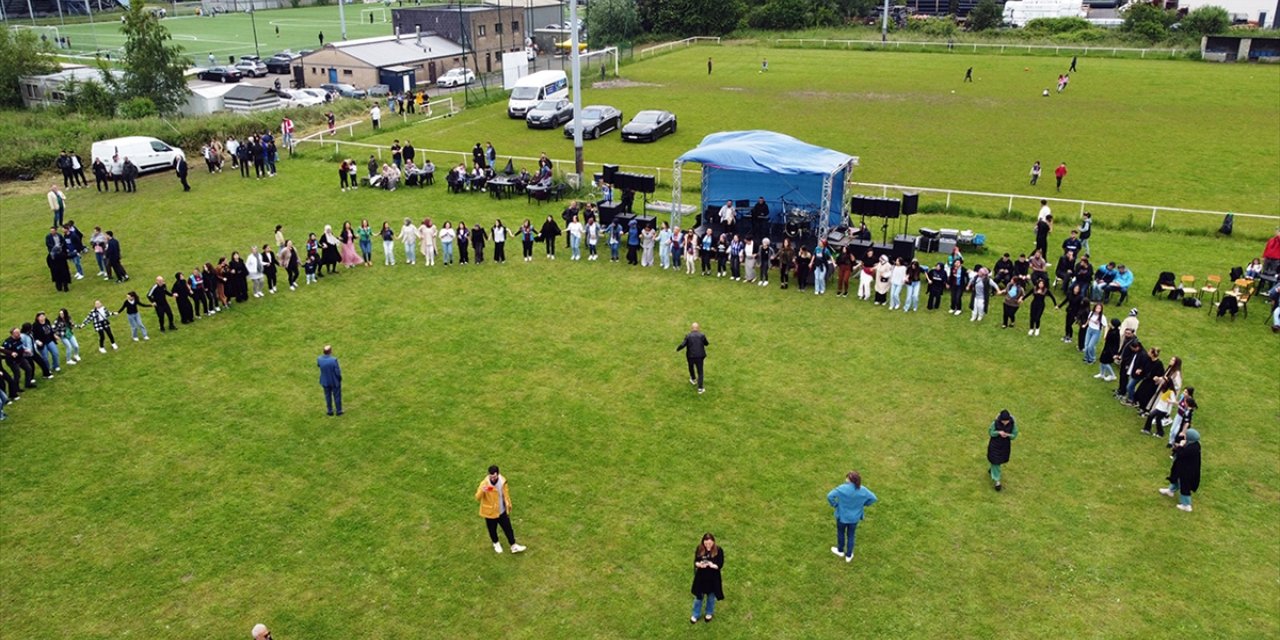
x: 695, y: 347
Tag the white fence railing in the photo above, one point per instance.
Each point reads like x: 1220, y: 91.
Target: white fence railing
x: 667, y: 46
x: 1010, y: 199
x: 1084, y: 50
x: 1006, y: 199
x: 432, y: 110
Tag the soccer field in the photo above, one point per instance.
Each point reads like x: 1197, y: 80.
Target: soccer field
x: 232, y: 34
x: 191, y: 485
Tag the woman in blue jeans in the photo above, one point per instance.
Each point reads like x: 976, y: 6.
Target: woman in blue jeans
x: 849, y: 500
x: 708, y: 560
x: 1094, y: 325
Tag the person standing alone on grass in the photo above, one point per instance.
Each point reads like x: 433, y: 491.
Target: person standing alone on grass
x: 695, y: 347
x: 1001, y: 433
x: 375, y: 114
x: 57, y: 204
x: 1059, y: 174
x: 1035, y: 173
x: 495, y: 508
x: 708, y: 560
x: 708, y: 66
x: 322, y: 39
x: 849, y: 501
x: 331, y: 380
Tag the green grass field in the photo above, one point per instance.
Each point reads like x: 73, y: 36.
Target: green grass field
x: 191, y: 485
x: 233, y: 33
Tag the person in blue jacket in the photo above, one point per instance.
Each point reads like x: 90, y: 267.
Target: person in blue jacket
x: 849, y: 500
x: 331, y: 380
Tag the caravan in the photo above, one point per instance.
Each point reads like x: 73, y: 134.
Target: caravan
x: 535, y: 87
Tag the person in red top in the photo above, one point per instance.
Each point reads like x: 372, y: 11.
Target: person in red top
x: 1060, y: 173
x: 1271, y: 255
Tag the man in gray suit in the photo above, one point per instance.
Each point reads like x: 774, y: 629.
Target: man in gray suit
x: 331, y: 380
x: 695, y: 351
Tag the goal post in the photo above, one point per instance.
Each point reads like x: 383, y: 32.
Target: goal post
x: 48, y: 34
x: 600, y: 58
x: 371, y: 16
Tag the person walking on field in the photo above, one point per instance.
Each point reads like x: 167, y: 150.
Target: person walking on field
x: 1060, y: 173
x: 708, y: 560
x: 849, y: 501
x: 1184, y: 475
x: 495, y: 508
x: 1035, y: 173
x: 1002, y: 432
x: 968, y: 75
x: 1073, y: 65
x: 331, y: 380
x: 694, y: 346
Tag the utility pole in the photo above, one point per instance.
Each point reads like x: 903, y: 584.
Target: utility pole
x: 884, y: 23
x: 576, y: 62
x: 342, y: 19
x: 254, y: 21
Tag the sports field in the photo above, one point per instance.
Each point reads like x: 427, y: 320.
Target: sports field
x: 191, y: 485
x: 233, y: 33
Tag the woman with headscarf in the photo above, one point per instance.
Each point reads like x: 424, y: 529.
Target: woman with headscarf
x: 1001, y: 434
x: 647, y: 239
x: 237, y: 278
x: 958, y: 281
x: 937, y: 277
x: 884, y: 272
x: 1184, y: 475
x: 1144, y: 392
x: 182, y: 293
x: 983, y: 287
x: 329, y: 253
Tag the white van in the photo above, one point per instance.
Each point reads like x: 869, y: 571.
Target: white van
x: 148, y: 154
x: 529, y: 90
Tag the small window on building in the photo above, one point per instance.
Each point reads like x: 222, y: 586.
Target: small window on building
x: 497, y: 27
x: 347, y: 72
x: 481, y: 31
x: 515, y: 26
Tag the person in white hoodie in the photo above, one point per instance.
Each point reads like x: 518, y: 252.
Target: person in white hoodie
x: 897, y: 278
x: 254, y: 266
x: 427, y: 234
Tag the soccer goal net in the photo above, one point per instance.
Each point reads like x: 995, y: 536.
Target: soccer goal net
x: 371, y: 16
x: 45, y: 34
x: 600, y: 59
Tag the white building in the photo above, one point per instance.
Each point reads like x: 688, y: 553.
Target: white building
x: 1020, y: 12
x: 50, y: 90
x: 1260, y: 12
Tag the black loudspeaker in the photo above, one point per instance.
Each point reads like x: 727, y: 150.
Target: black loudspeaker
x: 610, y: 170
x: 624, y: 220
x: 904, y: 247
x: 861, y: 206
x: 888, y: 208
x: 860, y: 248
x: 910, y: 203
x: 608, y: 211
x: 644, y: 221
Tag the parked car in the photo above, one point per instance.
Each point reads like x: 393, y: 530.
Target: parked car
x: 549, y: 114
x: 281, y: 63
x: 597, y: 120
x: 319, y: 94
x: 299, y: 98
x: 379, y: 91
x: 251, y: 68
x: 220, y: 74
x: 456, y: 77
x: 649, y: 125
x: 148, y: 154
x: 343, y: 89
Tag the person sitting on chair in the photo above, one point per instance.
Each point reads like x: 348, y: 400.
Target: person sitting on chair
x: 1123, y: 280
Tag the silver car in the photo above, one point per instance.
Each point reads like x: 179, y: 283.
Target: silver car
x: 549, y: 114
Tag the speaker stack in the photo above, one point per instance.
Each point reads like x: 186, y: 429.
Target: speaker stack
x: 874, y: 207
x: 610, y: 171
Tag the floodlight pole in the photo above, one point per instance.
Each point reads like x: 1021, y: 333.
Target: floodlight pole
x: 577, y: 89
x: 884, y: 23
x: 342, y: 19
x: 254, y: 21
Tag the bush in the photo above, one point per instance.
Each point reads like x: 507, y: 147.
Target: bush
x: 137, y: 108
x: 780, y: 14
x: 985, y: 15
x: 1147, y: 22
x: 1206, y: 21
x: 941, y: 27
x: 1051, y: 26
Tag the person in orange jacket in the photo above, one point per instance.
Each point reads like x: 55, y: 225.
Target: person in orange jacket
x: 495, y: 508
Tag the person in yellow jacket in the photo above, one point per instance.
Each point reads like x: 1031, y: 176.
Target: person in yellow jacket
x: 495, y: 508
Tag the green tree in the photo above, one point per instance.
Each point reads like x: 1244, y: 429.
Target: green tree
x: 1146, y: 22
x: 1206, y: 21
x: 690, y: 17
x: 612, y: 22
x: 22, y: 53
x: 987, y: 14
x: 781, y: 14
x: 153, y: 66
x: 90, y: 98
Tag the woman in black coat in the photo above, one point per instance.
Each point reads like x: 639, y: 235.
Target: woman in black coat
x: 182, y: 293
x: 708, y: 560
x: 1184, y: 476
x: 1146, y: 389
x: 237, y: 278
x: 548, y: 233
x: 1001, y: 434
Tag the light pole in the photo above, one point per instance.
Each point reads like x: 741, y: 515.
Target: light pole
x: 577, y: 89
x: 254, y: 21
x: 884, y: 23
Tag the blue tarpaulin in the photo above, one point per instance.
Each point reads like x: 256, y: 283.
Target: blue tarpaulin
x: 745, y: 165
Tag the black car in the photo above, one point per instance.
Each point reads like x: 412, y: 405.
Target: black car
x: 597, y: 120
x: 649, y: 126
x: 549, y: 114
x: 281, y: 63
x: 220, y: 74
